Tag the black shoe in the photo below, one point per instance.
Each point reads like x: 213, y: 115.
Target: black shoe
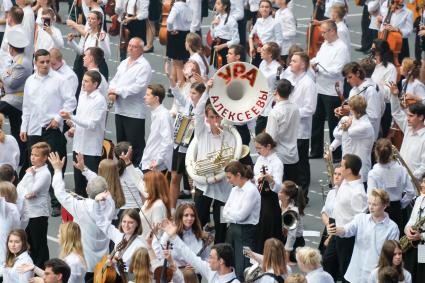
x: 315, y: 156
x: 56, y: 211
x: 150, y: 50
x: 170, y: 93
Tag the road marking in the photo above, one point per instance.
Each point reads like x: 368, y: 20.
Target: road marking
x: 53, y: 239
x: 311, y: 215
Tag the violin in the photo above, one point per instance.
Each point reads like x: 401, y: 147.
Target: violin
x: 163, y: 33
x: 163, y: 274
x: 264, y: 184
x: 314, y: 35
x: 114, y: 28
x: 110, y: 7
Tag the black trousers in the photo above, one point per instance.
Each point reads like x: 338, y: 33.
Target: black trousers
x: 242, y: 37
x: 326, y: 105
x: 239, y: 236
x: 202, y: 206
x: 135, y: 28
x: 303, y: 164
x: 37, y: 239
x: 330, y: 259
x: 344, y: 250
x: 91, y: 162
x: 290, y: 172
x: 417, y: 270
x: 395, y: 213
x: 260, y: 124
x: 386, y: 120
x: 15, y: 119
x: 366, y: 40
x: 405, y: 52
x: 57, y: 142
x: 131, y: 130
x: 89, y: 277
x: 246, y: 138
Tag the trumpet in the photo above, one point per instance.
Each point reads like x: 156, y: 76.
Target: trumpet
x: 290, y: 219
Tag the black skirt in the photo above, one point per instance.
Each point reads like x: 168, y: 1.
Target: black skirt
x: 270, y: 223
x: 176, y: 46
x: 155, y: 10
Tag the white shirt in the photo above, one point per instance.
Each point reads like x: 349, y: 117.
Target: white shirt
x: 350, y: 200
x: 328, y: 208
x: 208, y: 142
x: 196, y: 7
x: 9, y: 152
x: 38, y: 183
x: 138, y: 8
x: 44, y: 98
x: 11, y: 275
x: 203, y: 65
x: 228, y: 30
x: 269, y: 70
x: 9, y: 220
x: 77, y: 266
x: 417, y: 213
x: 332, y: 58
x: 95, y: 243
x: 358, y: 140
x: 243, y: 205
x: 288, y: 26
x: 28, y: 23
x: 268, y: 30
x: 273, y: 166
x: 128, y: 181
x: 89, y: 123
x: 304, y: 96
x: 413, y: 147
x: 237, y: 9
x: 393, y: 178
x: 344, y: 34
x: 374, y: 7
x: 401, y: 19
x: 201, y: 266
x: 130, y: 84
x: 99, y: 39
x: 47, y: 41
x: 319, y: 276
x: 103, y: 87
x: 416, y: 88
x: 69, y: 77
x: 370, y: 237
x: 282, y: 126
x: 330, y: 3
x: 5, y: 6
x: 155, y: 214
x: 373, y: 277
x: 382, y: 76
x: 159, y: 145
x: 180, y: 17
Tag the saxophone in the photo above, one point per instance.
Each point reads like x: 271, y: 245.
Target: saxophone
x: 329, y: 170
x: 407, y: 244
x: 400, y: 159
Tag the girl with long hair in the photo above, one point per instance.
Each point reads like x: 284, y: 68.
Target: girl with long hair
x: 292, y: 198
x: 9, y: 148
x: 268, y: 174
x: 193, y: 45
x: 391, y: 256
x: 16, y: 255
x: 411, y: 87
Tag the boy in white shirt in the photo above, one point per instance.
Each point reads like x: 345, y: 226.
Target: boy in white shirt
x: 34, y: 188
x: 159, y: 147
x: 47, y: 36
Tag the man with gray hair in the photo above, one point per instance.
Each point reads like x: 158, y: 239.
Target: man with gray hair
x: 95, y: 242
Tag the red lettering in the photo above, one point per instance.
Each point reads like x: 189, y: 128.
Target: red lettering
x: 238, y: 117
x: 255, y: 110
x: 225, y: 110
x: 251, y: 76
x: 248, y: 115
x: 226, y: 76
x: 218, y: 107
x: 231, y: 116
x: 238, y: 69
x: 263, y: 95
x: 260, y: 103
x: 214, y: 98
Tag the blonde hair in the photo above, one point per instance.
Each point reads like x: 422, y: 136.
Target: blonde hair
x: 382, y: 195
x: 274, y: 256
x: 296, y: 278
x: 309, y: 257
x: 109, y: 170
x: 140, y: 266
x: 358, y: 105
x: 70, y: 240
x: 8, y: 191
x: 2, y: 134
x: 189, y: 276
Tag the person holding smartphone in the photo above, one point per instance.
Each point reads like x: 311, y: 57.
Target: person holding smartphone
x: 47, y: 36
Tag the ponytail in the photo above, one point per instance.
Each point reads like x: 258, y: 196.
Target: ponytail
x: 121, y: 148
x: 295, y: 194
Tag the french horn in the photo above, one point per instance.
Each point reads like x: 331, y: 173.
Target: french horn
x: 290, y: 219
x: 239, y: 94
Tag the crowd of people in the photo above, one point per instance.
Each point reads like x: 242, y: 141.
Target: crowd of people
x: 124, y: 216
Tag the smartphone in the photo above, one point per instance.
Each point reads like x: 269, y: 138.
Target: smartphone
x: 331, y: 221
x: 46, y: 22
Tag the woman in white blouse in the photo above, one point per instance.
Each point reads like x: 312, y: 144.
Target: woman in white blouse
x: 9, y: 148
x: 308, y: 260
x: 411, y: 87
x: 392, y: 256
x: 265, y: 30
x: 268, y: 174
x: 17, y: 255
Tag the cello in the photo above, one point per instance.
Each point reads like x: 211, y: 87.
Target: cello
x: 314, y: 35
x: 163, y: 33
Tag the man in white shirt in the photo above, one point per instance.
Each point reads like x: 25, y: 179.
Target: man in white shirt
x: 93, y: 57
x: 159, y: 147
x: 304, y: 96
x: 45, y: 95
x: 371, y: 231
x: 219, y: 267
x: 88, y: 127
x: 238, y: 13
x: 350, y: 201
x: 327, y: 64
x: 59, y: 65
x: 282, y: 126
x: 127, y: 89
x: 14, y: 19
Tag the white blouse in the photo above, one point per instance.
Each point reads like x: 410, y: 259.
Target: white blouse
x: 78, y: 268
x: 9, y: 152
x: 155, y: 214
x: 11, y: 275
